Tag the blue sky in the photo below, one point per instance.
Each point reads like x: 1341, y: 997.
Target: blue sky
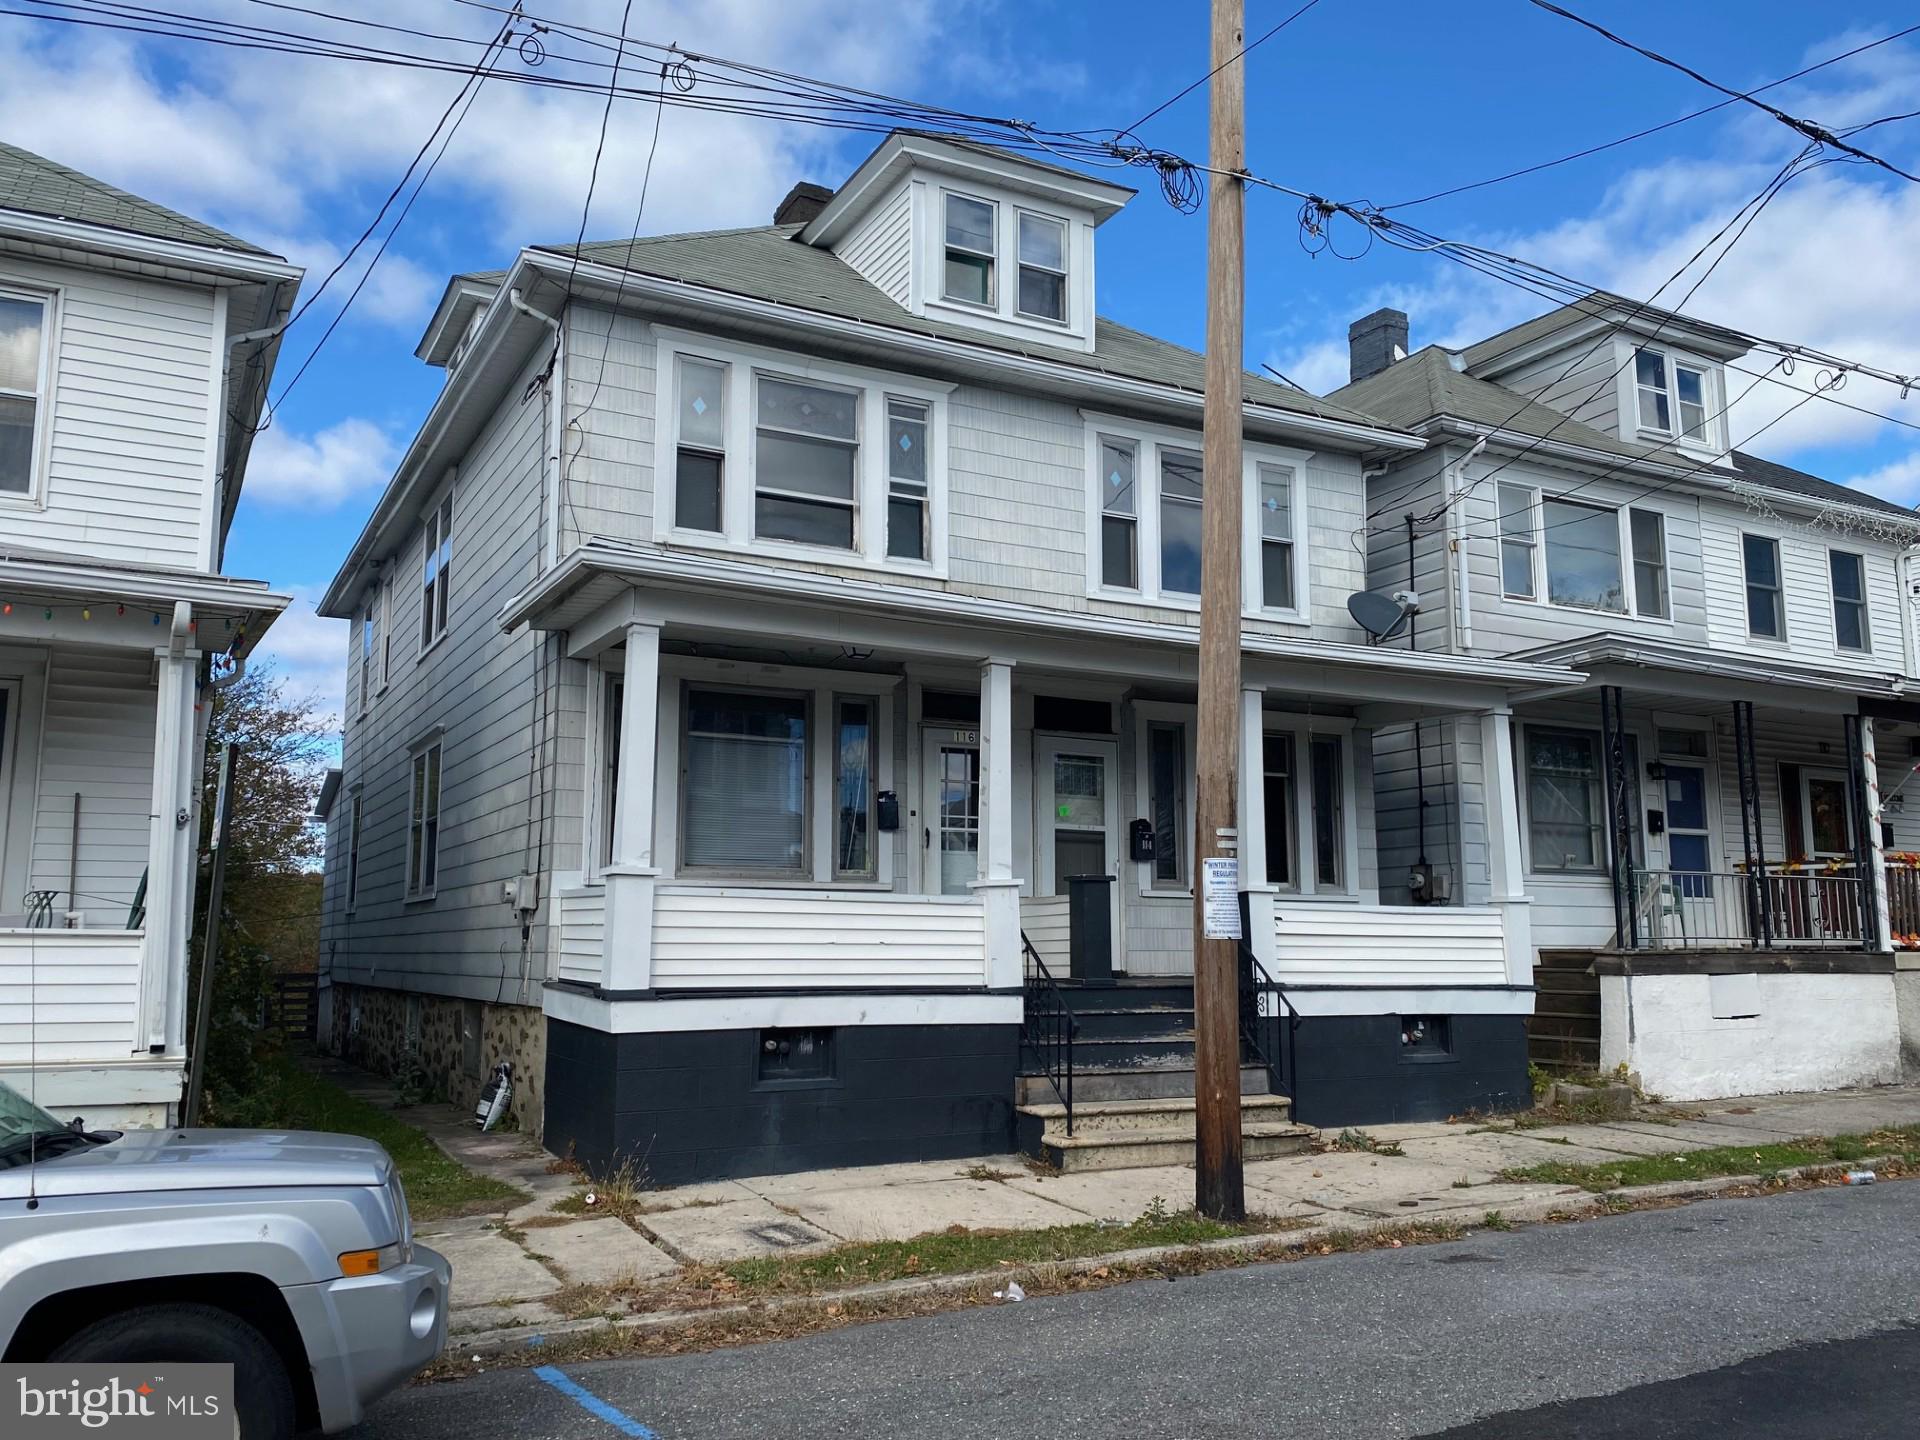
x: 1380, y: 101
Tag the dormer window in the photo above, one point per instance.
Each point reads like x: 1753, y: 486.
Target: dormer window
x: 1666, y: 385
x: 971, y: 226
x: 1043, y: 267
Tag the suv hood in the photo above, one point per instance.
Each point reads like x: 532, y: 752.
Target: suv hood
x: 160, y: 1160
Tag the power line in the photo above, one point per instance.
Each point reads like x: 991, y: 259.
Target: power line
x: 1816, y: 133
x: 1239, y: 54
x: 1669, y: 124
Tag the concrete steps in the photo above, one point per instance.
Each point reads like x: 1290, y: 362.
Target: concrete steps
x: 1166, y: 1079
x: 1136, y: 1134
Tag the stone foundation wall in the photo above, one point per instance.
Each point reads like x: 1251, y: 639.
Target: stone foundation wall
x: 457, y: 1042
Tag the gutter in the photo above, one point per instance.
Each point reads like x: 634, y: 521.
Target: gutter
x: 180, y: 254
x: 593, y: 559
x: 1883, y: 683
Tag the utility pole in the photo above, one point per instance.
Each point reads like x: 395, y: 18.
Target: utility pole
x: 1219, y: 1184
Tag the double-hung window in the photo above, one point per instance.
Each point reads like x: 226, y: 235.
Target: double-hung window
x: 1647, y: 530
x: 701, y: 459
x: 423, y: 822
x: 370, y: 648
x: 1180, y: 526
x: 1119, y: 514
x: 1329, y: 817
x: 1517, y: 543
x: 807, y: 463
x: 1276, y: 755
x: 1849, y: 572
x: 1766, y: 607
x: 1276, y: 538
x: 744, y: 782
x: 1583, y: 556
x: 353, y: 850
x: 1566, y: 807
x: 907, y: 516
x: 1042, y: 292
x: 1666, y: 387
x: 853, y: 792
x: 436, y: 574
x: 23, y: 337
x: 971, y: 226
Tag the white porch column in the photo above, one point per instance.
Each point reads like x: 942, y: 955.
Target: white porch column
x: 1252, y: 811
x: 1508, y: 884
x: 998, y: 888
x: 1876, y: 840
x: 628, y: 958
x: 170, y: 835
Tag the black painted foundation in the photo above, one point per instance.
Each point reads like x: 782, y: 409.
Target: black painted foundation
x: 691, y: 1105
x: 1353, y: 1070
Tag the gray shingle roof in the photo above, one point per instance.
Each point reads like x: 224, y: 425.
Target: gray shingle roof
x: 35, y: 185
x: 768, y: 263
x: 1594, y: 305
x: 1784, y: 477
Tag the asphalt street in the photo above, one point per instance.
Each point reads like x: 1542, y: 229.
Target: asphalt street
x: 1750, y: 1318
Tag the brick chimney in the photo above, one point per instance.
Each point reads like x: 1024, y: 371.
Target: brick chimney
x: 803, y: 202
x: 1375, y: 341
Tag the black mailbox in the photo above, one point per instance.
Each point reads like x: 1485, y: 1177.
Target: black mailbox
x: 1140, y: 841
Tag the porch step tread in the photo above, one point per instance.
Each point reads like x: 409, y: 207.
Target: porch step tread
x: 1142, y: 1149
x: 1171, y: 1105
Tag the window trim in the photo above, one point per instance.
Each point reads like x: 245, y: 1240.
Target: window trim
x: 1065, y: 318
x: 1779, y: 589
x: 1149, y: 441
x: 872, y: 482
x: 1673, y: 360
x: 433, y: 744
x: 50, y: 298
x: 809, y: 742
x: 1529, y: 538
x: 992, y: 257
x: 1866, y: 609
x: 436, y: 613
x: 1536, y: 539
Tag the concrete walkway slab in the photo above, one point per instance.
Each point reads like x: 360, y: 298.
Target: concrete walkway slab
x: 793, y: 1189
x: 1120, y: 1195
x: 1471, y: 1204
x: 900, y: 1212
x: 489, y: 1268
x: 600, y: 1252
x: 746, y: 1229
x: 1619, y: 1139
x: 1706, y: 1134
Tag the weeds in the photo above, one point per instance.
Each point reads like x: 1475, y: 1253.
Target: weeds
x: 1360, y: 1142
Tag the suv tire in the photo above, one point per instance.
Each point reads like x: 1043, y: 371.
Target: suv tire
x: 197, y: 1334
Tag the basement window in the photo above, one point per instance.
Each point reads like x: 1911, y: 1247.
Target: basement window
x: 1426, y: 1037
x: 790, y: 1055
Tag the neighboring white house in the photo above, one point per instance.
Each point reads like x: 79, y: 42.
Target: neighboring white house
x: 135, y: 346
x: 763, y: 627
x: 1716, y: 832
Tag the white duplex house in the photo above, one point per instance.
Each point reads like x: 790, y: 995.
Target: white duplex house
x: 135, y: 345
x: 773, y: 707
x: 1717, y: 825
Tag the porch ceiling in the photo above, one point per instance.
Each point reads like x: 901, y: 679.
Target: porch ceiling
x: 602, y: 587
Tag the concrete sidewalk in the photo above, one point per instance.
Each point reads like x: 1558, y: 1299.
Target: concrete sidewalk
x: 515, y: 1269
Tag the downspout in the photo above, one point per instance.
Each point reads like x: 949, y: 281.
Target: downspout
x: 1910, y: 609
x: 1457, y: 537
x: 550, y: 503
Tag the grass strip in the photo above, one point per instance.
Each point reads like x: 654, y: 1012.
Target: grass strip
x: 1760, y: 1159
x: 437, y: 1185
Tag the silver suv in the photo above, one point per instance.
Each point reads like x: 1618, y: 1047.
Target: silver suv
x: 288, y: 1255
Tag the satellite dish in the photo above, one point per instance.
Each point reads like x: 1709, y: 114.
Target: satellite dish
x: 1381, y: 616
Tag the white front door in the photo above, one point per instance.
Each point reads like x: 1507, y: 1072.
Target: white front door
x: 950, y: 815
x: 1077, y: 819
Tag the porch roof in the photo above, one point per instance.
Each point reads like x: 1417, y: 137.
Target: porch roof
x: 1604, y: 657
x: 586, y: 588
x: 30, y: 574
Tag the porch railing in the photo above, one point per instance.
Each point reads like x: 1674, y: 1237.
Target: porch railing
x: 1903, y: 902
x: 1268, y: 1023
x: 1048, y: 1026
x: 1818, y: 905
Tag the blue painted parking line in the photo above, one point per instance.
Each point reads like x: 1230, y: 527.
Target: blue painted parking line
x: 593, y: 1404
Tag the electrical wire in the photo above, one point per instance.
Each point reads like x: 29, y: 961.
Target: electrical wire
x: 1239, y: 54
x: 1816, y: 133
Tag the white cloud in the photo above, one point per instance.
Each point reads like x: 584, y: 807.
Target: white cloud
x: 309, y: 653
x: 338, y: 463
x: 1898, y: 482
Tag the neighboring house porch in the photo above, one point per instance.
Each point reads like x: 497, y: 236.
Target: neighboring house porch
x: 1708, y: 846
x: 851, y: 817
x: 102, y: 715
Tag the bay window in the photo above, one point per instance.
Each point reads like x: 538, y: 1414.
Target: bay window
x: 744, y: 791
x: 23, y: 337
x: 806, y: 463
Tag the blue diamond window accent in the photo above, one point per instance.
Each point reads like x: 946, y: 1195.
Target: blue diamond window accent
x: 906, y: 442
x: 1272, y: 504
x: 1115, y: 479
x: 699, y: 405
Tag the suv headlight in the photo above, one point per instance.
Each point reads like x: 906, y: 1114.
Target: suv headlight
x: 397, y: 1197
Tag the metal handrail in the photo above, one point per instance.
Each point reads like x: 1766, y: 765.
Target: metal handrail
x: 1682, y: 909
x: 1269, y: 1035
x: 1048, y: 1026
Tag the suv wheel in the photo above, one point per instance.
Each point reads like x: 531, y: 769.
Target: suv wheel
x: 197, y: 1334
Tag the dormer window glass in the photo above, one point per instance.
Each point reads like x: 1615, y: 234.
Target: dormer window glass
x: 1691, y: 388
x: 906, y: 480
x: 700, y: 463
x: 807, y: 466
x: 971, y: 227
x: 22, y: 344
x: 1650, y: 378
x: 1043, y: 268
x: 1663, y: 385
x: 1179, y: 522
